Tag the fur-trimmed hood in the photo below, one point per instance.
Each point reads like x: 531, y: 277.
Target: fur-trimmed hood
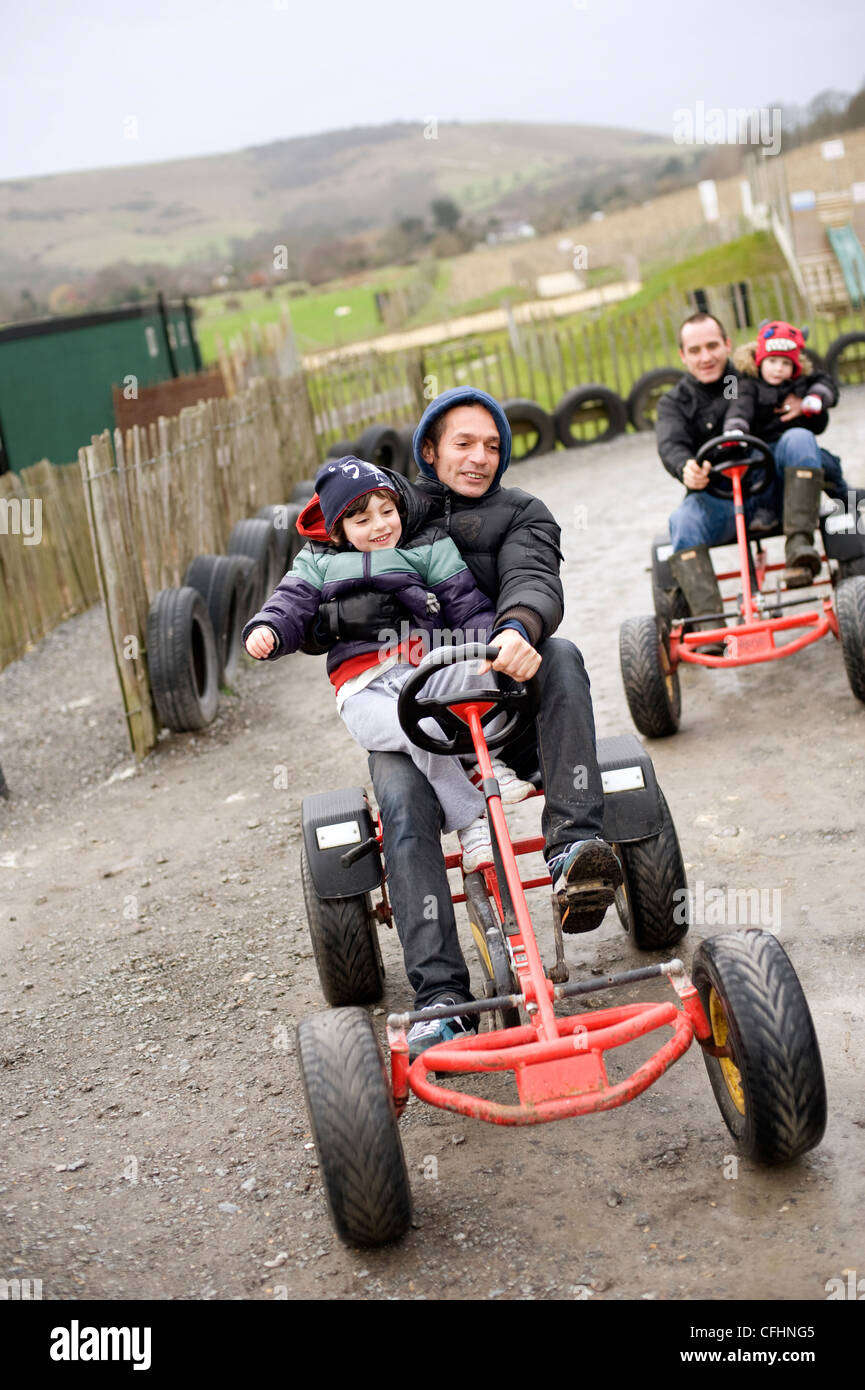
x: 745, y: 361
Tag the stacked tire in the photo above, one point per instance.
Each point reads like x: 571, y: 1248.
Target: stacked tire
x: 182, y: 660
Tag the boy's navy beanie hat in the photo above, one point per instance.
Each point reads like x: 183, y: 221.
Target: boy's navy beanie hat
x: 339, y: 482
x: 462, y: 395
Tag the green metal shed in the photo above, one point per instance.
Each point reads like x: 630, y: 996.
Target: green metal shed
x: 56, y: 374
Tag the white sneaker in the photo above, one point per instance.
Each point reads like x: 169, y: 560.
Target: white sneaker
x: 477, y: 847
x: 511, y: 787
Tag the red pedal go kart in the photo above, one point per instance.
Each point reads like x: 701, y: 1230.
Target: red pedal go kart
x: 743, y: 1001
x: 651, y: 649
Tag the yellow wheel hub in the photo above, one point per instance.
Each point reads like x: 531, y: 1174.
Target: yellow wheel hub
x: 721, y: 1033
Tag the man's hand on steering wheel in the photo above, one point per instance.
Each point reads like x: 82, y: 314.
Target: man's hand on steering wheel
x: 516, y: 658
x: 695, y: 475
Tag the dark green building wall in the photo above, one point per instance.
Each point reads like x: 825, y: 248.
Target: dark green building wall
x: 56, y: 376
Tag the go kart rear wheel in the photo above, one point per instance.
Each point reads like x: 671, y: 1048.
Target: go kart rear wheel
x: 651, y: 682
x: 770, y: 1090
x: 354, y: 1127
x: 850, y: 609
x: 344, y: 943
x: 491, y: 950
x: 652, y: 902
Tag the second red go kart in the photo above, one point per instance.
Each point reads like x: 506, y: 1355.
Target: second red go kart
x: 742, y: 1002
x: 756, y: 613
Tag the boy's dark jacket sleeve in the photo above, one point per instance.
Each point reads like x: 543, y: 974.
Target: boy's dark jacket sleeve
x: 741, y: 411
x: 292, y: 607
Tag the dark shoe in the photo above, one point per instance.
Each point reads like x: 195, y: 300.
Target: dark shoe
x: 802, y: 487
x: 585, y: 877
x: 429, y: 1032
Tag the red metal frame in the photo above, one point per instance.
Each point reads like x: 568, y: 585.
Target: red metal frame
x: 753, y: 640
x: 558, y: 1063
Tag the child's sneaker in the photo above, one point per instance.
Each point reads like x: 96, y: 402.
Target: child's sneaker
x: 435, y: 1030
x: 511, y: 787
x: 585, y: 877
x: 476, y: 845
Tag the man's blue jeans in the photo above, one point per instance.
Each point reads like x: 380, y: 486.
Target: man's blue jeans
x: 705, y: 520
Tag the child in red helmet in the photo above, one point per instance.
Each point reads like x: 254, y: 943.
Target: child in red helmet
x: 783, y: 400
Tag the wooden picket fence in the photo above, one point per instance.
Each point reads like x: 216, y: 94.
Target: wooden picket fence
x: 541, y: 362
x: 47, y: 571
x: 157, y: 496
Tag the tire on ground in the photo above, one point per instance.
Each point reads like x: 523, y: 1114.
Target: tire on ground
x: 406, y: 465
x: 303, y: 491
x: 850, y: 608
x: 839, y: 369
x: 380, y: 445
x: 258, y: 540
x: 341, y: 448
x: 354, y: 1127
x: 642, y: 402
x: 592, y: 407
x: 182, y: 660
x: 344, y: 943
x: 651, y: 686
x: 529, y: 421
x: 283, y: 519
x: 4, y: 789
x: 652, y: 902
x: 221, y: 581
x: 771, y: 1090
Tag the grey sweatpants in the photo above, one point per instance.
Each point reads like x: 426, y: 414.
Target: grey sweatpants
x: 371, y: 718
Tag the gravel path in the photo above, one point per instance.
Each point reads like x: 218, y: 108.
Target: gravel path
x: 154, y: 962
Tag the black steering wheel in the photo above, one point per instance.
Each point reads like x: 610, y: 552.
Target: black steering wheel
x: 735, y: 448
x: 514, y: 698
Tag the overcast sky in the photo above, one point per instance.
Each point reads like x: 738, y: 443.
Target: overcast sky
x: 205, y: 76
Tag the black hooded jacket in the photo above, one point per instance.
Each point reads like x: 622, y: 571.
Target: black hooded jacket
x: 691, y: 413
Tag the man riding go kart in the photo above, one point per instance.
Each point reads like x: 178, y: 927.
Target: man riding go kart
x: 510, y: 542
x: 713, y: 398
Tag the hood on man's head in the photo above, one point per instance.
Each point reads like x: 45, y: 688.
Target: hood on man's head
x: 462, y: 395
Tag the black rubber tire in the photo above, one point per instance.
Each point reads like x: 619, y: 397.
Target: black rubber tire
x: 344, y: 943
x: 303, y: 491
x: 380, y: 445
x: 283, y: 519
x: 354, y: 1127
x: 4, y: 788
x: 257, y: 539
x: 642, y: 401
x: 406, y: 465
x: 252, y: 589
x: 850, y: 609
x: 526, y: 418
x: 182, y: 660
x: 763, y: 1011
x: 341, y: 448
x: 588, y: 403
x: 652, y: 903
x: 834, y: 362
x: 221, y: 580
x: 848, y: 568
x: 652, y: 692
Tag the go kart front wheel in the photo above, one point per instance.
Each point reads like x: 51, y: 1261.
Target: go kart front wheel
x: 850, y: 609
x: 650, y: 680
x: 770, y: 1090
x: 354, y: 1127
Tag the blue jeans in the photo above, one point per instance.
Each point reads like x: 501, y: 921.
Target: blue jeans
x: 704, y: 520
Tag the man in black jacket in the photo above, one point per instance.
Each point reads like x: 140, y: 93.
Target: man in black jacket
x: 510, y: 542
x: 694, y: 411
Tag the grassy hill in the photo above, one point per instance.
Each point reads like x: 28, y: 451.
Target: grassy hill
x: 336, y: 183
